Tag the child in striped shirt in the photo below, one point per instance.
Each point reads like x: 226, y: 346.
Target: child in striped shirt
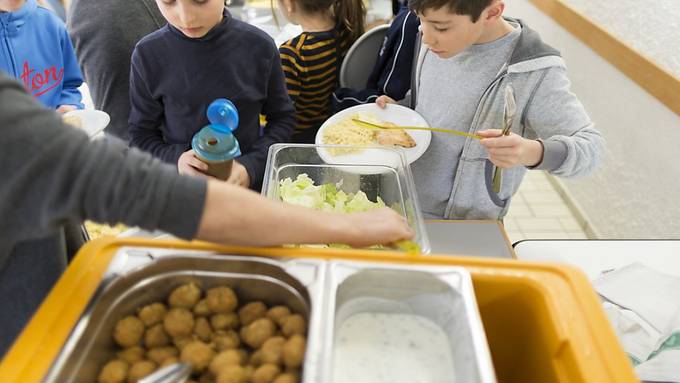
x: 311, y: 61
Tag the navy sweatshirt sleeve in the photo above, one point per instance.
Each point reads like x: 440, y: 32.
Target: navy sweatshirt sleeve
x: 146, y: 114
x: 279, y: 111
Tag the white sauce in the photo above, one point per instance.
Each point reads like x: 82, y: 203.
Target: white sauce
x: 391, y: 348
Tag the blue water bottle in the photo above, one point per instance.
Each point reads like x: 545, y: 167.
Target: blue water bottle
x: 215, y: 144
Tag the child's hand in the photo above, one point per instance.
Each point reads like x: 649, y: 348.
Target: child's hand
x: 382, y: 101
x: 189, y: 164
x: 511, y: 150
x: 61, y: 109
x: 239, y: 175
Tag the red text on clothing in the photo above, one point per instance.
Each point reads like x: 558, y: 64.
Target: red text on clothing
x: 41, y: 82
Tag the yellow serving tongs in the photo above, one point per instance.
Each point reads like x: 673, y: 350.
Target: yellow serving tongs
x: 508, y: 115
x: 370, y: 125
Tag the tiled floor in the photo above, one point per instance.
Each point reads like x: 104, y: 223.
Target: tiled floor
x: 538, y: 211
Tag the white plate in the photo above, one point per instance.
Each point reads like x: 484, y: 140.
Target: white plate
x: 396, y: 114
x: 93, y: 121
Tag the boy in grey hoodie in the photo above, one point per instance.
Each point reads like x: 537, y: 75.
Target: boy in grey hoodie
x: 468, y: 57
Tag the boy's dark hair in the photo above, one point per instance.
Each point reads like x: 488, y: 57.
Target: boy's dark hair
x: 472, y: 8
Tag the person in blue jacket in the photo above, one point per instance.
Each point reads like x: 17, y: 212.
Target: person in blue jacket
x: 36, y: 49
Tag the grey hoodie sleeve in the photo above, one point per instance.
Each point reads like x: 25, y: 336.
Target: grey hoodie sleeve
x: 572, y: 145
x: 52, y: 173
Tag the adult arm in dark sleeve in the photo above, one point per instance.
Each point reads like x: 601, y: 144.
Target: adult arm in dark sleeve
x: 53, y: 174
x: 280, y: 115
x: 146, y: 115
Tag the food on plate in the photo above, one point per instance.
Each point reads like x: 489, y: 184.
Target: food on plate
x: 96, y: 230
x: 74, y: 121
x: 270, y: 347
x: 348, y: 132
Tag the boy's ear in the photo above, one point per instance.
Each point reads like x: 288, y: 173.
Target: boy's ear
x: 494, y: 10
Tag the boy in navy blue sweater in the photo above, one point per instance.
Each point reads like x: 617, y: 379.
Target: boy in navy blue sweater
x: 201, y: 55
x: 35, y: 49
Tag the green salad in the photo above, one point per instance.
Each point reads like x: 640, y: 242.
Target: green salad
x: 328, y: 197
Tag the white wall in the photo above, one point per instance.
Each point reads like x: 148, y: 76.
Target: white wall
x: 636, y: 192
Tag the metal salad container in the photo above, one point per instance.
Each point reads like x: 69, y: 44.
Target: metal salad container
x: 380, y: 172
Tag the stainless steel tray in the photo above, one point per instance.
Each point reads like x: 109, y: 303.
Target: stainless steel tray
x: 325, y: 292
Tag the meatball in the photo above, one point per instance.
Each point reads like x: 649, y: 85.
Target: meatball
x: 272, y: 350
x: 152, y: 314
x: 185, y: 296
x: 114, y: 371
x: 128, y: 331
x: 232, y: 374
x: 179, y: 322
x: 251, y: 312
x: 221, y: 300
x: 266, y: 373
x: 277, y: 313
x: 160, y: 354
x: 198, y: 355
x: 202, y: 329
x: 226, y: 340
x: 182, y: 342
x: 293, y: 324
x: 224, y: 359
x: 131, y: 354
x: 258, y: 332
x: 224, y: 321
x: 140, y: 370
x: 156, y: 337
x: 201, y: 309
x: 294, y: 351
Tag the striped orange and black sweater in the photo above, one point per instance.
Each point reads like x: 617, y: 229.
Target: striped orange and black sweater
x: 311, y: 64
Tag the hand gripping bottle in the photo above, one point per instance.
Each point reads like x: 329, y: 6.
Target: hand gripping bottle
x: 215, y: 144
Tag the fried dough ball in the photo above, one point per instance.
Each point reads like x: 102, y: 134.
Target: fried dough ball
x: 179, y: 322
x: 201, y: 309
x: 128, y: 331
x: 233, y: 374
x: 156, y: 337
x: 224, y: 359
x: 185, y: 296
x: 152, y: 314
x: 221, y: 300
x: 182, y: 342
x: 226, y: 340
x: 265, y: 373
x: 272, y: 350
x: 224, y: 321
x: 293, y: 324
x: 169, y: 361
x: 294, y: 351
x: 160, y: 354
x: 140, y: 370
x: 198, y: 355
x: 252, y: 312
x: 131, y: 354
x: 277, y: 313
x: 286, y: 377
x: 256, y: 359
x: 202, y: 329
x: 258, y: 332
x: 114, y: 371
